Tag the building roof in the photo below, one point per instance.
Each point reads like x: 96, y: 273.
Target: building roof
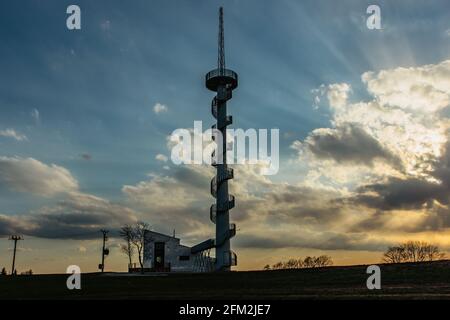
x: 160, y: 234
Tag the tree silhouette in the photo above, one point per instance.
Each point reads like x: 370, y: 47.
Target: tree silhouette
x: 413, y: 251
x: 308, y: 262
x: 126, y: 232
x: 138, y: 239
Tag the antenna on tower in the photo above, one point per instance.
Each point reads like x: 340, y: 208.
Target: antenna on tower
x: 221, y: 53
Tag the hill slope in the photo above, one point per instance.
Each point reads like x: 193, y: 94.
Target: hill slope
x: 399, y: 281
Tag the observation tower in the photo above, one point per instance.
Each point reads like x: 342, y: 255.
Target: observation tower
x: 222, y: 81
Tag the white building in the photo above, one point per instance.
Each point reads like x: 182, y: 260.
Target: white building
x: 163, y: 253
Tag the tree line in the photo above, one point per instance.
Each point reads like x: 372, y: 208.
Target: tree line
x: 410, y: 251
x: 308, y: 262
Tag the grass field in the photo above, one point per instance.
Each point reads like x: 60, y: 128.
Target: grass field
x: 400, y: 281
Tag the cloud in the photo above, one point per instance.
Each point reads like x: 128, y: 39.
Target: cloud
x: 348, y: 143
x: 21, y: 249
x: 398, y: 193
x: 321, y: 241
x: 32, y: 176
x: 337, y: 94
x: 422, y: 203
x: 78, y: 216
x: 404, y: 124
x: 180, y: 200
x: 423, y: 89
x: 261, y: 204
x: 412, y: 223
x: 387, y: 157
x: 161, y: 157
x: 160, y: 108
x: 291, y: 204
x: 11, y: 133
x: 441, y: 166
x: 408, y: 204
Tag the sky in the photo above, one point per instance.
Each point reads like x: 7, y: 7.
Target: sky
x: 85, y: 118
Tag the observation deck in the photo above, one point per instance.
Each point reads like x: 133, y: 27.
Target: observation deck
x: 217, y: 77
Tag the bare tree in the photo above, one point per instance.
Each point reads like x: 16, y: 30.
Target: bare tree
x: 278, y: 266
x: 432, y: 253
x: 291, y: 264
x: 317, y: 262
x: 323, y: 261
x: 413, y: 251
x: 138, y: 240
x: 308, y: 262
x: 394, y: 255
x: 126, y: 232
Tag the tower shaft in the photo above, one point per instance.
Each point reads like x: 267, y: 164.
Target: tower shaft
x: 223, y: 217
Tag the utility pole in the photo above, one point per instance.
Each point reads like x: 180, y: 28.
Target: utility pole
x: 105, y: 251
x: 15, y: 238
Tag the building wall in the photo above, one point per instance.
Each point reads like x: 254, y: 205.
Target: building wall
x: 173, y: 250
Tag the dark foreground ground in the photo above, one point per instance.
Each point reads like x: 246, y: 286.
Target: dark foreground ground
x: 401, y: 281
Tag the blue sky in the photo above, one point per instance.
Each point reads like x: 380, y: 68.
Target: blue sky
x: 94, y: 89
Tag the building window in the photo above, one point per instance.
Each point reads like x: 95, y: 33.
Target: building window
x: 184, y: 258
